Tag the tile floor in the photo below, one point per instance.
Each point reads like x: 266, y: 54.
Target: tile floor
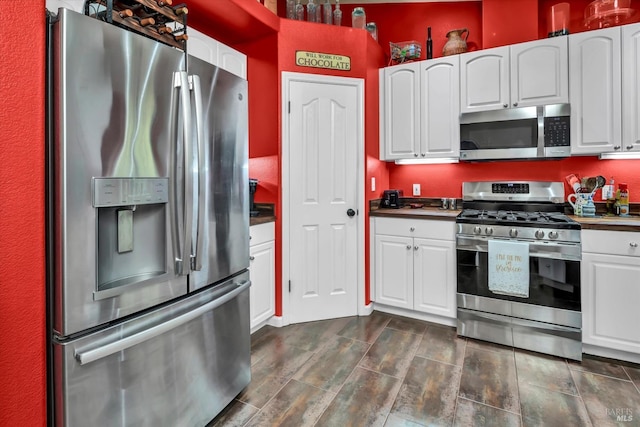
x: 386, y: 370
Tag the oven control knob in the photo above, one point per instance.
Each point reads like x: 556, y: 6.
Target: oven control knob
x: 513, y: 232
x: 488, y: 231
x: 553, y: 234
x: 477, y: 229
x: 539, y: 234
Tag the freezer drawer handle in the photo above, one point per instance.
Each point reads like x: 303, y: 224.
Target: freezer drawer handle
x: 125, y: 343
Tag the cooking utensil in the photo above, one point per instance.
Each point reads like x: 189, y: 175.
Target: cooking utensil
x: 600, y: 181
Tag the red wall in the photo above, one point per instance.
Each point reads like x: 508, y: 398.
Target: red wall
x: 399, y: 22
x: 509, y: 22
x: 446, y: 180
x: 22, y: 250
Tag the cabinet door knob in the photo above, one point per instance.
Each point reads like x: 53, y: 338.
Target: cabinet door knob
x: 423, y: 154
x: 415, y: 248
x: 415, y: 155
x: 408, y: 246
x: 633, y: 244
x: 515, y: 104
x: 629, y: 147
x: 412, y: 229
x: 617, y: 147
x: 251, y: 258
x: 505, y: 105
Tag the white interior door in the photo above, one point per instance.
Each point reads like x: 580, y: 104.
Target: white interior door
x: 323, y: 140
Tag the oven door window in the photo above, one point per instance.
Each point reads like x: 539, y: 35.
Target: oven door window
x: 552, y: 282
x: 522, y: 133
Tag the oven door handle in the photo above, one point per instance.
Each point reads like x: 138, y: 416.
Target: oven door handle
x: 548, y: 250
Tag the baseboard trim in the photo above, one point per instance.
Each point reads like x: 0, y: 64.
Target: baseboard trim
x: 415, y: 315
x: 365, y: 310
x: 610, y: 353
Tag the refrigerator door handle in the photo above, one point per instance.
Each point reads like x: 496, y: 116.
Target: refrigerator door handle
x: 85, y: 357
x: 200, y: 149
x: 182, y: 259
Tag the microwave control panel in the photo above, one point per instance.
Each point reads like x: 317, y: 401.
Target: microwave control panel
x: 556, y: 131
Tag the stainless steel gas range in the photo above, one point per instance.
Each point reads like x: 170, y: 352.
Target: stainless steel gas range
x: 518, y: 267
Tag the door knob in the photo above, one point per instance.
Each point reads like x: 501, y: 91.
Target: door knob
x: 351, y: 212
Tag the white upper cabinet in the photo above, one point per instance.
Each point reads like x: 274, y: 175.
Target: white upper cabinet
x: 231, y: 60
x: 440, y: 107
x: 204, y: 47
x: 521, y: 75
x: 419, y: 110
x: 400, y: 111
x: 595, y: 87
x: 75, y: 5
x: 484, y: 80
x: 540, y: 72
x: 631, y: 85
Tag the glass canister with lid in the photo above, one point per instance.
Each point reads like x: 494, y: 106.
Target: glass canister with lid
x: 373, y: 30
x: 358, y: 18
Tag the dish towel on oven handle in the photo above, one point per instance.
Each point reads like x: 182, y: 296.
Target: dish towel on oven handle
x: 509, y: 268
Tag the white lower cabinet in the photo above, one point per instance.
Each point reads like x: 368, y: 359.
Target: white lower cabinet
x: 610, y: 275
x: 415, y: 265
x: 262, y: 273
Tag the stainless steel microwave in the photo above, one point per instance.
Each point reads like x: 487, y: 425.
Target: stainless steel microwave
x: 516, y: 133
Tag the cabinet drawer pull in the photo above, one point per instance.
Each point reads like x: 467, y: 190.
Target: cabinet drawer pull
x: 412, y: 229
x: 633, y: 244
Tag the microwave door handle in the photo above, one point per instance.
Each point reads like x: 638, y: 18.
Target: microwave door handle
x: 181, y: 81
x: 540, y: 111
x: 200, y: 150
x: 85, y: 357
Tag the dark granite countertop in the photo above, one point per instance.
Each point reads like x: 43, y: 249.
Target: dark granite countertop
x: 266, y: 213
x: 611, y: 223
x: 427, y: 212
x: 261, y: 219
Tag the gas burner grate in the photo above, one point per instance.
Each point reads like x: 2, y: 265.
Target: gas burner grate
x: 511, y: 216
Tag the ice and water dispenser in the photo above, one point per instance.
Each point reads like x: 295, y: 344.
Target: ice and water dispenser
x: 131, y: 231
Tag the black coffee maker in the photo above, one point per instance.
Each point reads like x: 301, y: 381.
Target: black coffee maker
x: 253, y: 184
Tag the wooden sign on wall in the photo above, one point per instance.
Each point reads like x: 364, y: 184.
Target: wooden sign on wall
x: 323, y: 60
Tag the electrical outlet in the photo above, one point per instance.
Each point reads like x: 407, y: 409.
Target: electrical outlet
x: 416, y: 189
x: 373, y: 183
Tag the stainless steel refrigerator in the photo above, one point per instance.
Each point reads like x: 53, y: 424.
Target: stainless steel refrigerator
x: 148, y: 230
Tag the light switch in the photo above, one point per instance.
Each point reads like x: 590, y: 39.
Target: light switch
x: 416, y: 189
x: 373, y: 183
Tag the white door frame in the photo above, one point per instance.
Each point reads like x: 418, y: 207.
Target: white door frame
x: 287, y: 78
